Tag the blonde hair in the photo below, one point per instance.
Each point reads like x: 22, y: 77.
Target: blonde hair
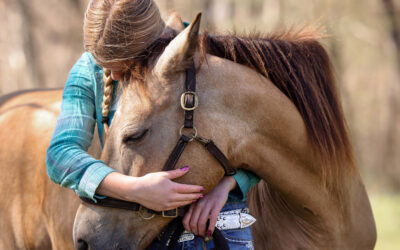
x: 107, y: 98
x: 116, y: 32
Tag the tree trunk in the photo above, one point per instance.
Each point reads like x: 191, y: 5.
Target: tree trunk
x: 29, y: 43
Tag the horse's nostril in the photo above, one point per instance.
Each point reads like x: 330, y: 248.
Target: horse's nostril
x: 82, y: 245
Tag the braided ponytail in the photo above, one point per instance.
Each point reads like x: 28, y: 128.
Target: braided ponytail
x: 107, y: 98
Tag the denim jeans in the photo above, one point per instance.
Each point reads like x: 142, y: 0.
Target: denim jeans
x: 237, y: 239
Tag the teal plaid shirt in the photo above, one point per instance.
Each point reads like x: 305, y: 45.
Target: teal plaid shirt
x: 67, y: 160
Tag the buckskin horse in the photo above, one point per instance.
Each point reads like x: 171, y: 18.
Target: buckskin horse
x: 269, y: 103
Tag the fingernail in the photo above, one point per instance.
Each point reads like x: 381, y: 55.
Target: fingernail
x: 201, y: 196
x: 209, y: 233
x: 202, y: 189
x: 184, y: 168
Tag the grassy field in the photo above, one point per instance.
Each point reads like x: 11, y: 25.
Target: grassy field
x: 386, y: 210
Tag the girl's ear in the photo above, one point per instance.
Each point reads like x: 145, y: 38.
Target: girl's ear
x: 175, y: 22
x: 178, y: 55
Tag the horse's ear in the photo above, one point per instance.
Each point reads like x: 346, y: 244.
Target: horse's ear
x: 178, y: 55
x: 175, y: 22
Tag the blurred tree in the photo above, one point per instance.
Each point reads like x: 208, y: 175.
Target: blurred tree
x: 29, y: 45
x: 209, y: 20
x: 390, y: 158
x: 394, y: 26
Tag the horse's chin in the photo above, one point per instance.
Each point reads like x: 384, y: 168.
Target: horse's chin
x: 102, y: 228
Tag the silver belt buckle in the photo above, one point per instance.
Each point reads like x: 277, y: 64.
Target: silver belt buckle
x: 186, y: 237
x: 232, y: 219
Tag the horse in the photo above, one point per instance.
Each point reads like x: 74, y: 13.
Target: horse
x: 270, y: 104
x: 34, y: 212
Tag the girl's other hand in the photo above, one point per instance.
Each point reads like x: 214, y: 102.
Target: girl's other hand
x: 208, y: 208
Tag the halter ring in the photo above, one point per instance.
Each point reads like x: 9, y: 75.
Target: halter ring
x: 192, y: 136
x: 144, y: 217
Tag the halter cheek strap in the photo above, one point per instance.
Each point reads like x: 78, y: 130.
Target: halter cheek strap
x: 189, y: 102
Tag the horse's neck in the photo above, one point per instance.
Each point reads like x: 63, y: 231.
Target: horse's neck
x: 267, y: 134
x: 255, y: 110
x: 264, y: 132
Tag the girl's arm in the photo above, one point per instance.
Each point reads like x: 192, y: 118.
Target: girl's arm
x: 69, y: 165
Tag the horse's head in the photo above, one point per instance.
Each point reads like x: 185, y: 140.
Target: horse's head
x: 144, y: 131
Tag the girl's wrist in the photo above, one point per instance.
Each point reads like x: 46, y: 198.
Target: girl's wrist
x: 229, y: 183
x: 131, y: 188
x: 118, y: 186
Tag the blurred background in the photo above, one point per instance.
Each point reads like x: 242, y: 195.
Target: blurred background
x: 41, y: 39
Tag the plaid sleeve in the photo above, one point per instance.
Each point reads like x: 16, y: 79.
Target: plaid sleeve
x: 245, y: 181
x: 68, y: 163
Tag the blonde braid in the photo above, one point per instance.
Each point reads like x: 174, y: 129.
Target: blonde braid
x: 107, y: 98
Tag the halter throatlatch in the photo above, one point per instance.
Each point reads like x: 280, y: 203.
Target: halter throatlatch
x: 189, y: 102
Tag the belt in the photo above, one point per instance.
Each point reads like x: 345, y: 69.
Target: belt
x: 227, y: 220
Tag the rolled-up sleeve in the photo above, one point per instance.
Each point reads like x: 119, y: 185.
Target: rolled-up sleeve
x: 67, y: 160
x: 245, y: 181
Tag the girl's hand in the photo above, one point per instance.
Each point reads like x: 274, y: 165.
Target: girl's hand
x: 208, y: 208
x: 156, y: 190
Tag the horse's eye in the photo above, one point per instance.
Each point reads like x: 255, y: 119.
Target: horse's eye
x: 135, y: 137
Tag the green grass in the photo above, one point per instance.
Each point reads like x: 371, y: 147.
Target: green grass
x: 386, y: 210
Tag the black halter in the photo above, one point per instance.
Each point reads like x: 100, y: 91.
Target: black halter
x: 189, y: 102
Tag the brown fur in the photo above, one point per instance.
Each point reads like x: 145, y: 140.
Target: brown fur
x: 35, y: 213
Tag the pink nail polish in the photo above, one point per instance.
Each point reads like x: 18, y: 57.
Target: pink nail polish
x: 184, y: 168
x: 202, y: 189
x: 209, y: 233
x: 201, y: 196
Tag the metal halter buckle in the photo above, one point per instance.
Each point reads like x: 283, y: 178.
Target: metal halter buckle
x: 202, y: 140
x: 196, y: 100
x: 170, y: 216
x: 144, y: 217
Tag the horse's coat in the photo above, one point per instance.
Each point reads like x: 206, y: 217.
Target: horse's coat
x: 34, y: 212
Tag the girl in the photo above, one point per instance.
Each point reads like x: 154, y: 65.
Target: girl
x: 115, y: 33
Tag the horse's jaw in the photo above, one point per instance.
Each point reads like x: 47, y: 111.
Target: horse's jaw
x: 96, y: 228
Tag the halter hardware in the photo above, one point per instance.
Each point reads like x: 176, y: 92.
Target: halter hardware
x: 202, y: 140
x: 140, y: 212
x: 192, y: 136
x: 184, y: 98
x: 165, y: 215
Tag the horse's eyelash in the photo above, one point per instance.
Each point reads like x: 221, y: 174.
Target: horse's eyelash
x: 135, y: 136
